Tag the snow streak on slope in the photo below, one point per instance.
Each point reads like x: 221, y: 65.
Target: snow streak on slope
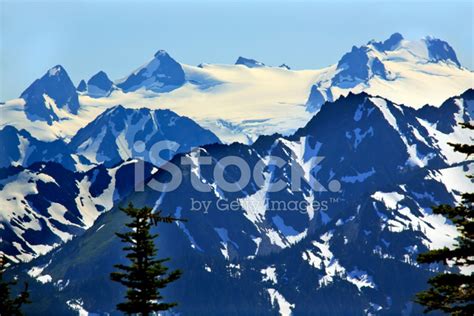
x: 12, y: 198
x: 464, y: 111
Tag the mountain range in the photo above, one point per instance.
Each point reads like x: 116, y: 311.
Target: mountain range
x: 240, y: 102
x: 367, y: 137
x: 377, y: 221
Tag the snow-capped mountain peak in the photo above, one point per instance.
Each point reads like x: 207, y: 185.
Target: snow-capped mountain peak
x: 397, y: 69
x: 364, y: 62
x: 426, y: 50
x: 160, y: 74
x: 99, y: 85
x: 397, y: 63
x: 50, y: 94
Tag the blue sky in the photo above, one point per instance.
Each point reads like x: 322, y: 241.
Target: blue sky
x: 118, y: 36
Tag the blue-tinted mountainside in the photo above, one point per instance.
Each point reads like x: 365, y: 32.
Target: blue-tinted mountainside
x: 109, y: 139
x: 116, y: 135
x: 20, y: 148
x: 40, y: 212
x: 45, y: 204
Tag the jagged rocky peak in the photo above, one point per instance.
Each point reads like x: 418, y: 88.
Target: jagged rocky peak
x: 57, y: 71
x: 364, y: 62
x: 99, y: 85
x: 439, y: 50
x: 389, y: 44
x: 82, y: 86
x: 285, y: 66
x: 248, y: 62
x: 445, y: 116
x: 100, y: 80
x: 161, y: 53
x: 429, y: 48
x: 358, y: 66
x: 46, y: 96
x: 161, y: 74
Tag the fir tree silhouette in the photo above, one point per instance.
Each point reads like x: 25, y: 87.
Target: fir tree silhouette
x: 10, y: 306
x: 146, y: 275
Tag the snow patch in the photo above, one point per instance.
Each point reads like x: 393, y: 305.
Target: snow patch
x: 284, y: 307
x: 269, y: 274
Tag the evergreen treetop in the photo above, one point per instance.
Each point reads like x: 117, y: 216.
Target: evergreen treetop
x: 146, y: 275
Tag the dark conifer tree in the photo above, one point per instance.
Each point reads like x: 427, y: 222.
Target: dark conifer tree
x: 146, y: 275
x: 10, y: 306
x: 453, y: 292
